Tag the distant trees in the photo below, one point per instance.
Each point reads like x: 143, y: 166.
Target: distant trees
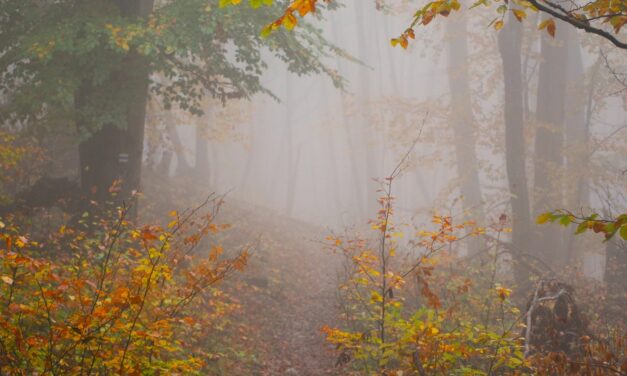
x: 86, y: 67
x: 560, y: 64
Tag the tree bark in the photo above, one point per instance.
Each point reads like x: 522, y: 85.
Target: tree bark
x: 182, y: 166
x: 462, y: 121
x: 356, y: 203
x: 509, y: 40
x: 202, y: 152
x: 364, y: 97
x: 549, y: 140
x: 576, y: 137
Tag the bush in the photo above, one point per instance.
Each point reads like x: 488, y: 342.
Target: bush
x: 436, y: 331
x: 111, y: 297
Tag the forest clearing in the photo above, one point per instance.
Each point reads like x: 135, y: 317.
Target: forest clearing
x: 313, y: 187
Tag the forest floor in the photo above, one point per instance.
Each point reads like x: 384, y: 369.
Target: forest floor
x: 291, y: 294
x: 287, y: 293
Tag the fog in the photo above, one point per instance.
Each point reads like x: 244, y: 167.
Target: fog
x: 258, y: 188
x: 315, y: 151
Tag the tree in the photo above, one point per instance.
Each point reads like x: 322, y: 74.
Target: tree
x: 510, y: 39
x: 549, y: 139
x: 88, y: 65
x: 463, y: 123
x: 590, y: 16
x: 599, y: 17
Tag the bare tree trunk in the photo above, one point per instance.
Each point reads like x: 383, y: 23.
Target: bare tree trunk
x: 548, y: 161
x: 292, y: 164
x: 463, y: 124
x: 509, y: 40
x: 372, y: 172
x: 356, y: 203
x: 576, y: 133
x: 201, y: 165
x: 249, y: 158
x: 182, y: 166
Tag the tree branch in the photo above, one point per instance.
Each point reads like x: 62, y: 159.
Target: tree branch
x: 579, y: 24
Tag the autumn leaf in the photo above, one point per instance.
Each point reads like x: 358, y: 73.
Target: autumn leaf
x: 289, y: 21
x: 544, y: 217
x: 519, y: 14
x: 503, y: 292
x: 549, y: 25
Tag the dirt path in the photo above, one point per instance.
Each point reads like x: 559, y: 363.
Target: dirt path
x: 287, y: 291
x: 292, y: 282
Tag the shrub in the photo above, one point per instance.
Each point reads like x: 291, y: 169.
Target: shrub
x: 113, y: 297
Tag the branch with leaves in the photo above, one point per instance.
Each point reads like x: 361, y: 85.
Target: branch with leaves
x: 590, y: 17
x: 593, y: 222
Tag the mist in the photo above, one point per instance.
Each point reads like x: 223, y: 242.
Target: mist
x: 376, y: 188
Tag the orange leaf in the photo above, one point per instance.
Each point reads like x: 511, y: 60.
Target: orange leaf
x: 551, y: 28
x: 519, y: 14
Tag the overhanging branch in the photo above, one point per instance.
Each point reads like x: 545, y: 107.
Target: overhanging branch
x: 580, y: 24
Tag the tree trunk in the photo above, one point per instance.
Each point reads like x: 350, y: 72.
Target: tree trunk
x: 114, y: 152
x: 462, y: 121
x: 548, y: 161
x: 182, y: 166
x: 509, y: 40
x: 356, y: 203
x: 576, y: 134
x: 364, y: 98
x: 292, y: 163
x: 202, y: 152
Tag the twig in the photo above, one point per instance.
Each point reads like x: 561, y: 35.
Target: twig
x: 534, y: 303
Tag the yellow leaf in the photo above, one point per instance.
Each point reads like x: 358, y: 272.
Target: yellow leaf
x: 543, y: 218
x: 503, y: 292
x: 289, y: 21
x: 498, y: 25
x: 519, y: 14
x: 549, y: 25
x: 6, y: 279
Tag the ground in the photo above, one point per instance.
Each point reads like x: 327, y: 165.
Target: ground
x: 287, y: 292
x: 292, y: 295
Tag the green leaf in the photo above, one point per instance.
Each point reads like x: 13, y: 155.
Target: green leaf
x: 609, y: 229
x: 623, y: 232
x: 565, y: 220
x: 583, y: 226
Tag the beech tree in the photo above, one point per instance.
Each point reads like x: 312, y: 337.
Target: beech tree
x: 591, y: 16
x: 87, y: 66
x: 602, y: 18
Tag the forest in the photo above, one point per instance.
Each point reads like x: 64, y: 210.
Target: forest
x: 313, y: 187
